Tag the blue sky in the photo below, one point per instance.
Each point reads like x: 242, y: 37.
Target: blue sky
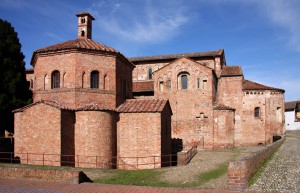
x: 262, y: 36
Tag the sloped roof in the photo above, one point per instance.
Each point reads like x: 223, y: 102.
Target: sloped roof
x: 223, y: 107
x: 77, y: 44
x: 232, y: 71
x: 176, y: 56
x: 143, y: 86
x: 291, y: 105
x: 249, y: 85
x: 142, y: 106
x: 94, y: 107
x: 50, y: 103
x: 88, y: 107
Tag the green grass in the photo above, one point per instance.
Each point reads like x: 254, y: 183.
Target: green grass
x: 134, y: 177
x: 213, y: 174
x: 260, y: 171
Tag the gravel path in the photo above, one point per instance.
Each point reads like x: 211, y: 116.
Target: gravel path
x: 283, y: 171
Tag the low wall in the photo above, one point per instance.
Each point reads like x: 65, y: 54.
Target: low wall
x: 184, y: 157
x: 52, y: 175
x: 241, y: 170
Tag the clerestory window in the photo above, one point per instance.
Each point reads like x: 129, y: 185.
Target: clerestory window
x: 55, y: 79
x: 94, y: 83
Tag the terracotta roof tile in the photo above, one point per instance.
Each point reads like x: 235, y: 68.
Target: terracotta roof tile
x: 249, y: 85
x: 232, y: 71
x: 89, y: 107
x: 77, y: 44
x: 94, y: 107
x: 142, y: 106
x: 85, y: 13
x: 50, y: 103
x: 291, y: 105
x: 176, y: 56
x: 223, y: 107
x: 143, y: 86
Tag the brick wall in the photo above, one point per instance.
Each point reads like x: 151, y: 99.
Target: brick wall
x: 139, y: 140
x: 223, y: 129
x: 95, y: 139
x: 188, y: 104
x: 75, y: 69
x: 61, y: 176
x: 241, y: 170
x: 38, y: 131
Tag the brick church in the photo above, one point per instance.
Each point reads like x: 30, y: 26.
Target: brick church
x: 91, y: 104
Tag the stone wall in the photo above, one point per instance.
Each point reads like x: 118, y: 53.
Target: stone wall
x: 52, y: 175
x: 241, y: 170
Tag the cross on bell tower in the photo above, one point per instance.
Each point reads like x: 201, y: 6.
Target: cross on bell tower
x: 85, y: 25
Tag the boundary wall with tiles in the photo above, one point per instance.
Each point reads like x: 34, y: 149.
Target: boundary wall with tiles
x: 50, y: 175
x: 241, y: 170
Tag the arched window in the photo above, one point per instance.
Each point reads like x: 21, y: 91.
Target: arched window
x: 184, y: 81
x: 257, y: 112
x: 150, y: 73
x: 82, y: 33
x: 55, y: 79
x: 105, y: 82
x: 94, y: 79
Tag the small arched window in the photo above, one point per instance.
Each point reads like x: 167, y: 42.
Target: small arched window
x: 55, y: 79
x: 257, y: 112
x: 94, y: 83
x: 82, y: 33
x: 150, y: 73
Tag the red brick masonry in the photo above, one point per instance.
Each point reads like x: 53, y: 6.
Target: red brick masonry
x: 50, y: 175
x: 241, y: 170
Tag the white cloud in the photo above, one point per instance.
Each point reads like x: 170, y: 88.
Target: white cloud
x: 285, y: 14
x: 140, y: 22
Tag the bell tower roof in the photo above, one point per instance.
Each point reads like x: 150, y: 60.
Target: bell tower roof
x: 85, y: 20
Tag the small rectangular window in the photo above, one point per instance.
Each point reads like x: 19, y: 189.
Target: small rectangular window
x: 204, y: 84
x: 279, y: 114
x: 161, y: 86
x: 198, y: 83
x: 257, y: 112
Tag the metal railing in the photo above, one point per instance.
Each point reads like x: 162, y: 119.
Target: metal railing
x: 141, y: 162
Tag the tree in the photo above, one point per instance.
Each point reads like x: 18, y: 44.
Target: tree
x: 14, y: 89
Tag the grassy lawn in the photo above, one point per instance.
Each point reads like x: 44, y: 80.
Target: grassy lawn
x: 151, y: 177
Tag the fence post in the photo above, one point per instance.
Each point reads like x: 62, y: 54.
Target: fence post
x: 154, y: 161
x: 43, y: 159
x: 137, y: 162
x: 11, y: 157
x: 170, y: 157
x: 27, y: 158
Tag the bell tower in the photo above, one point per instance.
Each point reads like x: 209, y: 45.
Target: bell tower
x: 85, y: 25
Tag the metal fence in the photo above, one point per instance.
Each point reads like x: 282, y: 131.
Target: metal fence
x: 143, y: 162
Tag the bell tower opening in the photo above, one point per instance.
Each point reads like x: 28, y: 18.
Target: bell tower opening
x: 85, y: 20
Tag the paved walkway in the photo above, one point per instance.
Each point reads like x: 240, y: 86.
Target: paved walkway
x: 283, y: 171
x: 27, y: 186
